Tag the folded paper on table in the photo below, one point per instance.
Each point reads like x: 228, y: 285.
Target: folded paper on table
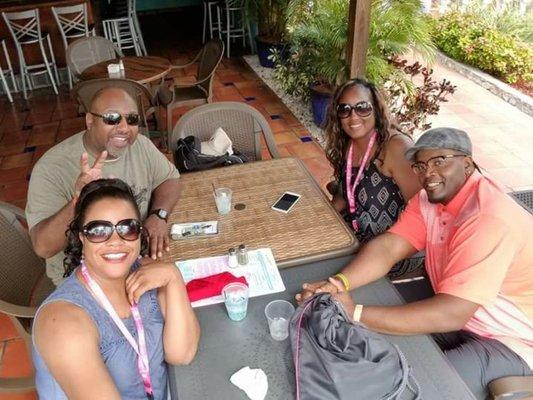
x: 193, y: 229
x: 261, y: 273
x: 210, y: 286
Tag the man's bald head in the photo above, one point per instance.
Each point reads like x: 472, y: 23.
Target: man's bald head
x: 111, y: 95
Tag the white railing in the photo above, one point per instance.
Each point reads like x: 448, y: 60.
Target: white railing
x: 442, y: 6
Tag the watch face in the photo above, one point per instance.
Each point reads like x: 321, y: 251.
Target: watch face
x: 162, y: 213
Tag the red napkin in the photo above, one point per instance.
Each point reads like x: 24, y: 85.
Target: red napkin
x: 210, y: 286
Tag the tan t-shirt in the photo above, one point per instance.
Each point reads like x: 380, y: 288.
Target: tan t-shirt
x: 142, y: 166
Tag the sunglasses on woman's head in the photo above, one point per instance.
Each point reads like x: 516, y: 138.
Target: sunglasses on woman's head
x: 361, y: 108
x: 100, y: 231
x: 114, y: 118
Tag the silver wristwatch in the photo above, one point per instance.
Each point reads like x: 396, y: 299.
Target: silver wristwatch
x: 161, y: 213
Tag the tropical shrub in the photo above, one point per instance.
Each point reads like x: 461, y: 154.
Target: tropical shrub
x: 474, y: 39
x: 412, y: 105
x: 319, y: 32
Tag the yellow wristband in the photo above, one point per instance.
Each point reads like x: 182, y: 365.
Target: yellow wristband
x: 344, y: 280
x: 357, y: 312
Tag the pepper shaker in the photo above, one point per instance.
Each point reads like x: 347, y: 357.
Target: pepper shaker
x: 232, y: 258
x: 242, y: 255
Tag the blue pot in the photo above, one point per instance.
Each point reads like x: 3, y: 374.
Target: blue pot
x: 264, y: 50
x: 319, y: 103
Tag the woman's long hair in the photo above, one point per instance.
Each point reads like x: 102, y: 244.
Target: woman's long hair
x: 337, y: 140
x: 90, y: 194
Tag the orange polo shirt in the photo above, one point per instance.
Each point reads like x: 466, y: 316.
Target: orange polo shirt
x: 479, y: 247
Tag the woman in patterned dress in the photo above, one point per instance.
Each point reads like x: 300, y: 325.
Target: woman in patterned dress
x: 359, y: 131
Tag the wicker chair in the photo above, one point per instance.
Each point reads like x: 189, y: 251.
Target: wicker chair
x: 88, y: 51
x: 196, y: 93
x: 84, y: 91
x: 23, y: 284
x: 241, y: 122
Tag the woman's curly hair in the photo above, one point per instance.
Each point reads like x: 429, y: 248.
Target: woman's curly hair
x: 337, y: 141
x: 90, y: 194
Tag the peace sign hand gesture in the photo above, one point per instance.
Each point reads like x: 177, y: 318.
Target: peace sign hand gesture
x: 89, y: 174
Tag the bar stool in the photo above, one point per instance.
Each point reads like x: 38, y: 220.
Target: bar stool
x: 25, y: 29
x: 72, y: 24
x: 125, y: 31
x: 237, y: 25
x: 7, y: 73
x: 208, y: 18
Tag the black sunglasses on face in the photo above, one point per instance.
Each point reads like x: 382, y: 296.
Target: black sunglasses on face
x: 114, y: 118
x: 361, y: 108
x: 100, y: 231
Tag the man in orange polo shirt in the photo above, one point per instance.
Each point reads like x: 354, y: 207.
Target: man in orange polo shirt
x: 479, y: 260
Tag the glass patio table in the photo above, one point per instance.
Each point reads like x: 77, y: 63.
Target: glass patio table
x: 227, y: 346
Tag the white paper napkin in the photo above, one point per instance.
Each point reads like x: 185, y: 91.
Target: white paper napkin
x: 254, y: 382
x: 218, y: 145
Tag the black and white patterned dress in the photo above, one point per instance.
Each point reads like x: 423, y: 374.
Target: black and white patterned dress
x: 379, y: 203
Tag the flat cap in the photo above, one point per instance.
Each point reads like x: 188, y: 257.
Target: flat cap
x: 441, y: 138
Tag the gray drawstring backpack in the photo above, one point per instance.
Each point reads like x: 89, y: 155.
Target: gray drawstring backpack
x: 335, y: 358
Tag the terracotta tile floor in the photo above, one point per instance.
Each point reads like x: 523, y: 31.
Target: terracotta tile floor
x: 502, y: 136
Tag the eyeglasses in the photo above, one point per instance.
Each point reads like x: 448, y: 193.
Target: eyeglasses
x: 114, y: 118
x: 362, y: 109
x: 437, y: 163
x: 100, y: 231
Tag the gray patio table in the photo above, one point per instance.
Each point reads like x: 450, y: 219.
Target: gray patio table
x: 227, y: 346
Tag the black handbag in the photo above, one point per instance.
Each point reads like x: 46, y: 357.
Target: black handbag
x: 188, y: 156
x: 335, y: 358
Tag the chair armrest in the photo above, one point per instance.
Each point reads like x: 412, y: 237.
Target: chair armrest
x: 17, y: 311
x: 333, y: 187
x: 14, y: 210
x: 179, y: 66
x: 17, y: 385
x: 164, y: 96
x: 502, y: 388
x: 193, y: 84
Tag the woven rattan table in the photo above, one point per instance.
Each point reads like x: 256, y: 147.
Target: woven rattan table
x: 311, y: 231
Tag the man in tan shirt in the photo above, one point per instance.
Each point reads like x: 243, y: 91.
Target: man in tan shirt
x: 110, y: 147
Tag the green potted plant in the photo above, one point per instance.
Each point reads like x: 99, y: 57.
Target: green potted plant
x: 318, y: 46
x: 270, y: 16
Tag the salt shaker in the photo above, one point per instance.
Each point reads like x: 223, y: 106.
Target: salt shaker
x: 232, y: 258
x: 242, y: 255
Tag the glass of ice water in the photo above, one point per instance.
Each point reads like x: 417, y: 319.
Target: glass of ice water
x: 278, y: 314
x: 223, y: 200
x: 236, y: 300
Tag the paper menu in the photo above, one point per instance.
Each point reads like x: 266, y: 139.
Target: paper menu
x: 261, y: 272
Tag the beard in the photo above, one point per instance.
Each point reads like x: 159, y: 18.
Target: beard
x: 115, y: 148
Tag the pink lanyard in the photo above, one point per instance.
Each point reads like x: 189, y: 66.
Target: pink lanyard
x: 350, y: 190
x: 142, y: 359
